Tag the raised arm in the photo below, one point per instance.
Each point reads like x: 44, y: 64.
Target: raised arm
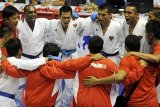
x: 153, y: 58
x: 30, y: 64
x: 49, y: 70
x: 74, y: 64
x: 136, y: 73
x: 12, y: 70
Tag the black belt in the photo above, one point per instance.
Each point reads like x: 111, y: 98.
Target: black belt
x: 107, y: 54
x: 31, y: 56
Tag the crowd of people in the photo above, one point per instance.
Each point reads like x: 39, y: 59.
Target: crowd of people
x: 82, y: 62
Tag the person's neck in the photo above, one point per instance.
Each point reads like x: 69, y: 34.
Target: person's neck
x: 155, y: 41
x: 92, y: 54
x: 18, y: 56
x: 105, y: 25
x: 64, y: 28
x: 133, y: 24
x: 31, y: 24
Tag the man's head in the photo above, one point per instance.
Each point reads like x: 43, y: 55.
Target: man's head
x: 6, y: 32
x: 154, y: 14
x: 132, y: 43
x: 131, y: 14
x: 95, y: 44
x: 30, y: 13
x: 152, y: 31
x: 14, y: 47
x: 65, y: 14
x: 104, y: 13
x: 10, y: 14
x: 50, y: 49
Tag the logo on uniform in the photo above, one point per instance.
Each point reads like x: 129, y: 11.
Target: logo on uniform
x: 75, y: 25
x: 111, y: 38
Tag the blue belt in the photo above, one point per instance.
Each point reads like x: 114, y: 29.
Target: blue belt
x: 7, y: 95
x: 68, y: 52
x: 108, y: 55
x: 31, y: 56
x: 22, y: 86
x: 50, y: 57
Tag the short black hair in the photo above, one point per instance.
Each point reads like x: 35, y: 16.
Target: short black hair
x: 6, y: 29
x: 153, y: 26
x: 27, y: 7
x: 95, y: 44
x: 65, y: 9
x: 156, y: 11
x: 8, y: 12
x: 136, y: 6
x: 13, y: 45
x: 50, y: 49
x: 132, y: 42
x: 106, y: 6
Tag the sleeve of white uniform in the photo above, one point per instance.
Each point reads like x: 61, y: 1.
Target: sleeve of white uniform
x: 88, y: 30
x: 30, y: 64
x: 121, y: 40
x: 83, y: 22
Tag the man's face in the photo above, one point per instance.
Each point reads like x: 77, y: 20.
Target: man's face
x: 130, y: 14
x: 31, y: 14
x: 65, y: 18
x: 13, y: 20
x: 103, y: 16
x: 149, y: 38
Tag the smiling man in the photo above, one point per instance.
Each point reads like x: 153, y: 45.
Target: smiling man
x: 31, y: 31
x: 65, y: 32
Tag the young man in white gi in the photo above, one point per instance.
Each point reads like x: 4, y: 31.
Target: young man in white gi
x: 112, y: 34
x: 136, y: 26
x: 65, y: 33
x: 31, y: 32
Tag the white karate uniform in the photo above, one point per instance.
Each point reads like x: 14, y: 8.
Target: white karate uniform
x: 139, y: 30
x: 32, y: 41
x: 10, y: 85
x: 66, y: 41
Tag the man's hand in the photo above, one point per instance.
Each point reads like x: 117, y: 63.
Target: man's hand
x: 90, y: 81
x: 143, y: 63
x: 96, y: 57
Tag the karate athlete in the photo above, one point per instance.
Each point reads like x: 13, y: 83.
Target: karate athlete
x: 9, y: 85
x: 31, y: 31
x: 40, y: 90
x: 153, y: 38
x: 111, y: 32
x: 65, y: 32
x: 136, y: 26
x: 10, y: 16
x: 132, y: 69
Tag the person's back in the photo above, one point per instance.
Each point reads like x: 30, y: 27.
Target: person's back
x: 135, y: 71
x: 98, y: 96
x: 42, y: 98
